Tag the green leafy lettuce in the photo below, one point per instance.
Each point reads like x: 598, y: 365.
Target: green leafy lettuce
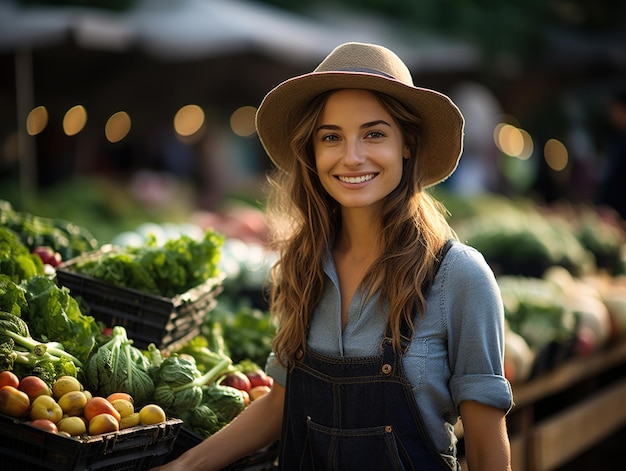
x: 53, y: 314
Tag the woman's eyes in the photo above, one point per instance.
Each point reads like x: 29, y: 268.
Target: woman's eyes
x: 368, y: 135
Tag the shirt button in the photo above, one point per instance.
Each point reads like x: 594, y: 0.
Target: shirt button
x: 386, y: 369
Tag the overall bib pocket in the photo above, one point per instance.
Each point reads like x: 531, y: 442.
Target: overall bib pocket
x: 371, y: 448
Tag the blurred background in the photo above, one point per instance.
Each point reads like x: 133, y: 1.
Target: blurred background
x: 135, y: 118
x: 114, y: 111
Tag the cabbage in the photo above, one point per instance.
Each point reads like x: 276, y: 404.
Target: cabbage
x: 179, y: 383
x: 227, y: 402
x: 117, y: 366
x: 203, y: 421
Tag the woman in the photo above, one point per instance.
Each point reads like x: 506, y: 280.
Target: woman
x: 389, y: 329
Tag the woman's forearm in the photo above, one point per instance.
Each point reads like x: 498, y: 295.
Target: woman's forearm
x: 486, y: 441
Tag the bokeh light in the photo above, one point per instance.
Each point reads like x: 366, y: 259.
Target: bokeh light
x: 117, y: 126
x: 242, y: 121
x: 513, y: 141
x: 189, y: 120
x: 37, y: 120
x: 555, y: 154
x: 74, y: 120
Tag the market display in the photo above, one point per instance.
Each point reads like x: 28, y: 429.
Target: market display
x: 168, y: 337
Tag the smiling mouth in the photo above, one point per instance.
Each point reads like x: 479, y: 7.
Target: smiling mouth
x: 359, y: 179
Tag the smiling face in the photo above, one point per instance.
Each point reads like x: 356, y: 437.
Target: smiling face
x: 358, y: 148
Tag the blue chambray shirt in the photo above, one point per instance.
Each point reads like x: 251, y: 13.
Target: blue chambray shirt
x: 457, y: 351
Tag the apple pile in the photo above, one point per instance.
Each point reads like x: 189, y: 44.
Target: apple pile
x: 252, y: 383
x: 68, y: 409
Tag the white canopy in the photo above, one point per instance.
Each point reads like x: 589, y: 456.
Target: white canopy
x: 194, y: 29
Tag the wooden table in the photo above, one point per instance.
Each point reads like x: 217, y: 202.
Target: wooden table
x: 565, y: 412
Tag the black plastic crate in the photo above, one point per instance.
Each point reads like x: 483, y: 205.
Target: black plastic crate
x: 147, y: 318
x: 262, y: 460
x: 26, y: 448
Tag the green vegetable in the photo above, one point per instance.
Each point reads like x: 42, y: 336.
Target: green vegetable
x: 16, y: 261
x: 167, y: 270
x: 246, y: 331
x: 53, y: 314
x: 227, y: 402
x: 12, y: 296
x: 15, y: 328
x: 117, y: 366
x: 12, y: 325
x: 25, y: 355
x: 205, y: 358
x: 523, y: 241
x: 33, y: 231
x: 247, y: 366
x: 203, y: 421
x: 535, y: 309
x: 603, y: 239
x: 179, y: 384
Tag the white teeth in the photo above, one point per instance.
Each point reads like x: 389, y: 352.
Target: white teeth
x: 360, y: 179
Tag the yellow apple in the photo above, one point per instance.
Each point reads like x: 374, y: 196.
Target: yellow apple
x: 65, y: 384
x: 75, y: 426
x: 73, y: 403
x: 129, y: 421
x: 151, y: 414
x: 124, y: 407
x: 45, y: 407
x: 103, y: 423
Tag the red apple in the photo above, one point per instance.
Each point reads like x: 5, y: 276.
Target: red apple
x: 259, y: 378
x: 8, y: 378
x: 48, y: 255
x: 34, y: 386
x: 44, y: 424
x: 99, y: 405
x: 13, y: 402
x: 237, y: 380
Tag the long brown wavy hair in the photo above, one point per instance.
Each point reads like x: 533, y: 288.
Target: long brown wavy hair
x: 305, y: 220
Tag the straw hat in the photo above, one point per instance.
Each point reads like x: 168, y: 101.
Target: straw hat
x: 370, y: 67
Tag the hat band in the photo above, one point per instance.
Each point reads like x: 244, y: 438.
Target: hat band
x: 365, y: 70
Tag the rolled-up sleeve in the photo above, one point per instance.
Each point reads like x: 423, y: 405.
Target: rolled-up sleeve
x: 274, y: 369
x: 475, y: 316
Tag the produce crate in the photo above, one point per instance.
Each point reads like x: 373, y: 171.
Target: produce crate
x: 262, y: 460
x: 26, y: 448
x: 147, y: 318
x: 186, y: 440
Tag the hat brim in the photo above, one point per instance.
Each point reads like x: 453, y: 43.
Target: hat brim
x: 442, y: 124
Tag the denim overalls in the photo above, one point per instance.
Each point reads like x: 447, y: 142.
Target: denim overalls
x: 354, y: 413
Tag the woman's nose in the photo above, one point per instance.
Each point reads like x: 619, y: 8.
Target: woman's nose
x: 354, y: 154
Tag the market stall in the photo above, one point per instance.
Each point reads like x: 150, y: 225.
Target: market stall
x: 182, y: 312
